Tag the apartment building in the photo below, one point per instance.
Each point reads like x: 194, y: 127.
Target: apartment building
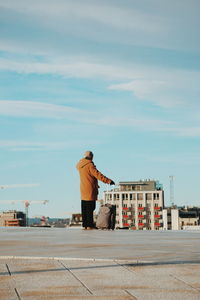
x: 139, y: 204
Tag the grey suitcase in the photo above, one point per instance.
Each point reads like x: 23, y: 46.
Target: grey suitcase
x: 106, y: 217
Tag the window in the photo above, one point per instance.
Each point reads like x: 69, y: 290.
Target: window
x: 116, y: 196
x: 138, y: 187
x: 156, y: 196
x: 140, y: 196
x: 132, y: 196
x: 124, y: 196
x: 148, y: 196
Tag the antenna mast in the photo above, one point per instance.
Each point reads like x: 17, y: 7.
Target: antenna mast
x: 171, y: 178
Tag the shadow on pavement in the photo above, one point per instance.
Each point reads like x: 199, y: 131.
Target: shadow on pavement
x: 117, y: 265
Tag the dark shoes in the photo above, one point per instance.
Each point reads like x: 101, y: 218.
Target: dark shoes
x: 89, y: 228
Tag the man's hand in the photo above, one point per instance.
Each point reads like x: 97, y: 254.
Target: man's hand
x: 112, y: 183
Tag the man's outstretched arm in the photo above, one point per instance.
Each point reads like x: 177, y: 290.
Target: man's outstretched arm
x: 98, y: 175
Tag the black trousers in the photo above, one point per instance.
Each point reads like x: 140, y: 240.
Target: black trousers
x: 87, y: 208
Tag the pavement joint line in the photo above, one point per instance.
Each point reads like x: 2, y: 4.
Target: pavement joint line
x: 15, y: 289
x: 18, y: 296
x: 136, y: 262
x: 198, y: 290
x: 133, y: 297
x: 8, y: 269
x: 68, y: 269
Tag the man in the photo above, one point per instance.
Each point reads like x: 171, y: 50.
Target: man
x: 89, y: 177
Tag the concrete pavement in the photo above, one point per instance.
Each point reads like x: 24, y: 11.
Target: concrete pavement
x: 47, y: 263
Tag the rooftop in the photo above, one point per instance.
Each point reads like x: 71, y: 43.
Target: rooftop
x: 52, y: 263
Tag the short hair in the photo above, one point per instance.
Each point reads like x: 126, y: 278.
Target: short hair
x: 88, y: 154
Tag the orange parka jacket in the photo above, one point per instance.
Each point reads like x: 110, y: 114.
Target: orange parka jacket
x: 89, y: 177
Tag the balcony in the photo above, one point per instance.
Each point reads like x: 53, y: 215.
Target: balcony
x: 156, y: 216
x: 125, y: 224
x: 157, y: 224
x: 157, y: 207
x: 140, y: 217
x: 140, y: 224
x: 125, y: 208
x: 125, y: 216
x: 140, y: 208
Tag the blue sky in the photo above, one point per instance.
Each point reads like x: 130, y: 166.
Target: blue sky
x: 120, y: 78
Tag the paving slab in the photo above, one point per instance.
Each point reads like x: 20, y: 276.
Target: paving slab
x: 165, y: 282
x: 7, y: 290
x: 43, y: 278
x: 57, y: 279
x: 102, y: 278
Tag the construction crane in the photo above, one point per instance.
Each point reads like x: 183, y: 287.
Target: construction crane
x: 171, y: 179
x: 26, y: 204
x: 10, y: 186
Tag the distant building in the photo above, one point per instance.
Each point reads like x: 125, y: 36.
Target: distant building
x: 76, y: 220
x: 175, y: 218
x: 139, y: 204
x: 49, y: 222
x: 12, y: 218
x: 171, y: 218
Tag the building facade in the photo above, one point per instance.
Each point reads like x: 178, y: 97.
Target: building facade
x: 175, y: 218
x: 12, y: 218
x: 139, y: 204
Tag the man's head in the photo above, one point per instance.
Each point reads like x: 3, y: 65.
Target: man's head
x: 88, y: 155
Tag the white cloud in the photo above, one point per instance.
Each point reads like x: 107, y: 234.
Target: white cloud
x: 103, y: 118
x: 35, y: 109
x: 167, y: 87
x: 192, y: 131
x: 152, y: 90
x: 117, y: 16
x: 53, y: 145
x: 163, y: 87
x: 152, y: 23
x: 46, y: 110
x: 21, y: 145
x: 70, y: 67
